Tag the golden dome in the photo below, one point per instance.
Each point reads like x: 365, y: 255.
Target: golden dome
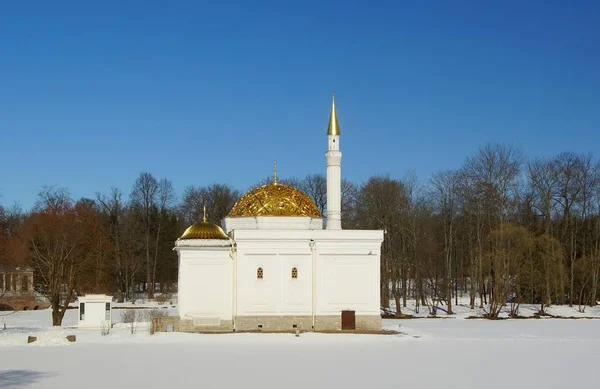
x: 204, y: 230
x: 275, y: 199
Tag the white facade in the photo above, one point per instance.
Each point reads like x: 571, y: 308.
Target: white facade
x: 94, y: 311
x: 205, y: 281
x: 264, y: 272
x: 348, y: 268
x: 275, y: 267
x: 272, y: 223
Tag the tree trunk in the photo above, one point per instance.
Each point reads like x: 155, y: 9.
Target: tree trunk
x: 594, y: 290
x: 397, y: 297
x: 58, y: 309
x: 449, y: 273
x: 57, y: 317
x: 482, y: 297
x: 156, y: 251
x: 398, y: 308
x: 56, y: 314
x: 456, y: 282
x: 149, y: 283
x: 404, y: 287
x: 127, y: 296
x: 571, y: 293
x: 385, y: 295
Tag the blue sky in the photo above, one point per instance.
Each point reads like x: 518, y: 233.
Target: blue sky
x: 92, y: 95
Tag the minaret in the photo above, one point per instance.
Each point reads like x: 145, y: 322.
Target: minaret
x: 334, y: 173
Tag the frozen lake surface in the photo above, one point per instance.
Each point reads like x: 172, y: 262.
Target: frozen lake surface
x: 545, y: 353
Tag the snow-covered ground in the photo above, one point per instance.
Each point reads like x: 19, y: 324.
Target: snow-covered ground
x: 429, y: 353
x: 463, y: 310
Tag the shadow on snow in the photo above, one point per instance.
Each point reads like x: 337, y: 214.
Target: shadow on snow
x: 20, y: 378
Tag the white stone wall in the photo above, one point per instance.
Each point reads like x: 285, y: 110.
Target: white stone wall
x: 277, y: 293
x: 271, y: 223
x: 95, y: 314
x: 347, y: 271
x: 345, y: 277
x: 205, y: 283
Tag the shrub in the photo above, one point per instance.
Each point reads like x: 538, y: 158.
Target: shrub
x: 154, y: 318
x: 130, y: 317
x: 105, y: 328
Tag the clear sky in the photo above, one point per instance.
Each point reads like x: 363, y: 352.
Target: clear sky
x: 205, y: 92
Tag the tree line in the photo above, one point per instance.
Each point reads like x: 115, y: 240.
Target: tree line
x: 501, y: 230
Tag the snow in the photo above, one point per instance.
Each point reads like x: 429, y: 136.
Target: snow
x: 428, y: 353
x: 462, y: 310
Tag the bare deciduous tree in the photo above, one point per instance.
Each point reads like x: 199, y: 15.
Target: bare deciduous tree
x: 444, y: 188
x: 143, y: 196
x: 64, y: 240
x: 127, y: 243
x: 165, y: 199
x: 217, y: 198
x: 379, y: 206
x: 494, y: 171
x: 315, y: 186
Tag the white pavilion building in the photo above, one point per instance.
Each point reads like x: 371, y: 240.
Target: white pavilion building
x: 277, y: 264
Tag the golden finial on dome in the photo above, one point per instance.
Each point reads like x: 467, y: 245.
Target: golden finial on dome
x: 204, y: 217
x: 275, y: 172
x: 334, y: 125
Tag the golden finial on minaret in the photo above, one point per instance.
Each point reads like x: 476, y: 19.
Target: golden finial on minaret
x: 204, y: 218
x: 334, y: 125
x: 275, y: 172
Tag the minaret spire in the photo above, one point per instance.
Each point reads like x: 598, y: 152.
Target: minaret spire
x: 275, y: 172
x: 333, y: 156
x: 334, y: 125
x: 204, y: 218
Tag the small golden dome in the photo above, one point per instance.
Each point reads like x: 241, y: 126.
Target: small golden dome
x: 275, y: 199
x: 204, y: 230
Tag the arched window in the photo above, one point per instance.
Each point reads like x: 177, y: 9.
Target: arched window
x: 259, y: 273
x: 25, y: 283
x: 294, y: 272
